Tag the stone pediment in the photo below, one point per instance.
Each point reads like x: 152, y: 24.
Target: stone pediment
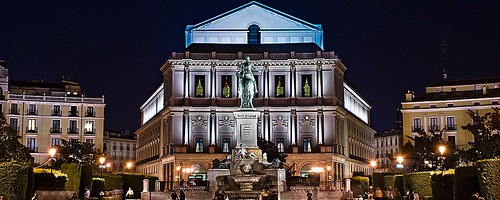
x: 253, y: 12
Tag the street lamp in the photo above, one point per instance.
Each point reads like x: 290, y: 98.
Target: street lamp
x: 178, y: 168
x: 129, y: 165
x: 102, y: 166
x: 400, y: 161
x: 373, y: 163
x: 442, y: 149
x: 52, y: 153
x: 328, y: 168
x: 108, y: 167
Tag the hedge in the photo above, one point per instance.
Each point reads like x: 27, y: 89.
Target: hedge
x: 133, y: 181
x: 30, y: 186
x: 466, y: 182
x: 489, y: 178
x: 378, y: 179
x: 419, y: 182
x: 85, y: 177
x: 389, y: 180
x: 45, y: 179
x: 399, y: 184
x: 13, y: 180
x: 72, y: 172
x: 112, y: 181
x: 97, y: 187
x: 359, y: 184
x: 443, y: 185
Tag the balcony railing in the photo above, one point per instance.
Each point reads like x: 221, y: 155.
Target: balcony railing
x: 55, y: 98
x: 434, y: 128
x: 33, y: 149
x: 15, y: 128
x: 31, y: 129
x: 72, y: 130
x: 56, y: 113
x: 90, y: 131
x: 416, y: 129
x: 55, y: 130
x: 14, y: 111
x: 32, y: 112
x: 90, y: 114
x: 73, y: 114
x: 451, y: 127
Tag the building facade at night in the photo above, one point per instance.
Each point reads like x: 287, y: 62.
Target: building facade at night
x: 306, y: 107
x: 444, y: 107
x: 120, y: 149
x: 387, y: 148
x: 44, y: 113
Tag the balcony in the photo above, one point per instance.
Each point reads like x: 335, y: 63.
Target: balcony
x: 56, y: 113
x: 32, y: 112
x: 31, y: 129
x: 89, y: 131
x: 33, y: 149
x: 451, y: 127
x: 90, y: 114
x: 415, y: 129
x: 73, y: 114
x: 14, y: 111
x: 72, y: 130
x: 55, y: 130
x: 434, y: 128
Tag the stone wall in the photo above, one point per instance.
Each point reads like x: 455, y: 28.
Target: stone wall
x: 288, y: 195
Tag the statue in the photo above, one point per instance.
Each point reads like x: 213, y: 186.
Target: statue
x: 216, y: 164
x: 264, y: 160
x: 247, y: 86
x: 276, y: 164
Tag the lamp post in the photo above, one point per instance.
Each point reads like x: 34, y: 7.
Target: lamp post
x: 178, y: 168
x: 442, y: 149
x: 328, y: 178
x: 129, y: 166
x: 102, y: 166
x: 373, y: 163
x: 52, y: 153
x: 400, y: 161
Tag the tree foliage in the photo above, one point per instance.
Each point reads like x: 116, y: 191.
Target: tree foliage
x: 272, y: 150
x: 11, y: 149
x: 74, y: 151
x: 485, y: 129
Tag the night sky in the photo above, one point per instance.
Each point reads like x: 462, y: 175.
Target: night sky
x: 116, y: 48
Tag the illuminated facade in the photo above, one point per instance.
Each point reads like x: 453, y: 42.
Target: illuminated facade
x: 44, y: 113
x: 444, y: 107
x: 120, y: 149
x: 306, y: 107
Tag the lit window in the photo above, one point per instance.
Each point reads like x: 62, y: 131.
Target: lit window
x: 199, y: 145
x: 89, y: 127
x: 199, y: 82
x: 306, y: 85
x: 226, y: 86
x: 280, y: 143
x: 32, y: 125
x: 253, y: 34
x: 55, y: 142
x: 279, y: 82
x: 307, y: 144
x: 226, y: 147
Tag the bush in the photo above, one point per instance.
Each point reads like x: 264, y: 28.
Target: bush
x: 112, y: 181
x: 97, y: 187
x: 359, y: 184
x: 85, y: 177
x: 389, y: 180
x: 13, y: 180
x: 45, y: 179
x: 399, y: 184
x: 133, y: 181
x: 30, y: 186
x: 419, y: 182
x: 72, y: 172
x: 378, y: 179
x: 466, y: 182
x: 489, y: 178
x: 443, y: 185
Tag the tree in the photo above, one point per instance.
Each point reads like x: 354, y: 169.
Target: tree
x: 485, y: 129
x: 11, y: 149
x: 74, y: 151
x: 272, y: 150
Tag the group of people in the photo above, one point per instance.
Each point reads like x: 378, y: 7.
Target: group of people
x: 174, y: 196
x: 220, y: 195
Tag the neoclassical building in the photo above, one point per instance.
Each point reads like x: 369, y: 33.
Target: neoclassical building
x: 306, y: 107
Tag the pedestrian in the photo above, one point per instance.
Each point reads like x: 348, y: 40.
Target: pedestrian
x: 182, y: 196
x: 34, y: 197
x: 130, y: 193
x: 264, y: 194
x: 378, y: 194
x: 416, y: 196
x: 173, y: 195
x: 309, y: 195
x: 86, y: 195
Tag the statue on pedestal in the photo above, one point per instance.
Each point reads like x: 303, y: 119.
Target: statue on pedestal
x: 247, y: 86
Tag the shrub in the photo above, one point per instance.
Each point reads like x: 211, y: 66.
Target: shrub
x: 30, y: 186
x: 133, y: 181
x: 389, y: 181
x: 378, y: 179
x: 72, y: 172
x: 443, y: 185
x: 419, y: 182
x: 13, y: 180
x: 399, y: 184
x: 466, y: 182
x: 359, y: 184
x: 45, y: 179
x: 97, y: 187
x: 85, y: 177
x: 112, y: 181
x: 489, y: 178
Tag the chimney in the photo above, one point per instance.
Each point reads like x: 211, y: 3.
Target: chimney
x: 485, y: 91
x: 409, y: 96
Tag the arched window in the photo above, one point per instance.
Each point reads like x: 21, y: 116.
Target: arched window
x: 253, y: 34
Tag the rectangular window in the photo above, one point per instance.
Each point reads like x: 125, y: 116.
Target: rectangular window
x: 89, y: 127
x: 280, y: 143
x: 199, y: 145
x: 449, y: 105
x: 494, y: 102
x: 56, y: 126
x: 90, y: 112
x: 226, y: 145
x: 307, y: 144
x: 450, y: 123
x: 56, y: 111
x: 417, y: 124
x: 31, y: 125
x: 73, y: 126
x: 13, y: 109
x: 391, y: 141
x: 31, y: 144
x: 73, y: 112
x: 433, y: 105
x: 13, y: 124
x: 32, y: 109
x: 199, y: 84
x: 226, y: 85
x: 279, y: 83
x: 55, y: 142
x: 476, y: 103
x: 433, y: 124
x: 306, y: 85
x: 451, y: 141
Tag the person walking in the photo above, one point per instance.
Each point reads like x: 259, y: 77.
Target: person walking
x: 378, y: 194
x: 182, y: 196
x: 174, y: 195
x: 86, y: 195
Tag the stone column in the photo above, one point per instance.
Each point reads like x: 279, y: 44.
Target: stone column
x: 320, y: 126
x: 293, y: 116
x: 212, y: 81
x: 347, y: 184
x: 186, y: 80
x: 266, y: 81
x: 186, y: 127
x: 213, y: 128
x: 157, y: 186
x: 292, y: 80
x: 319, y: 73
x: 145, y: 185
